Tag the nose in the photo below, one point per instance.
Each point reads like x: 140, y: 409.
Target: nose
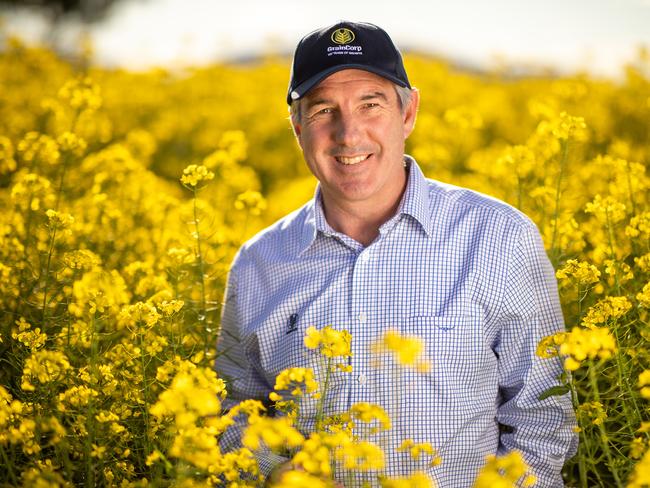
x: 347, y: 129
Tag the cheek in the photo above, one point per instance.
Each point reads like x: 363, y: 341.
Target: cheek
x: 313, y: 141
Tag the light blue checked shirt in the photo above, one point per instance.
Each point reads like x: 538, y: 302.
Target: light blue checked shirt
x: 463, y: 271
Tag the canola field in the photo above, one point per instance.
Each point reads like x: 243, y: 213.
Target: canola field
x: 124, y: 196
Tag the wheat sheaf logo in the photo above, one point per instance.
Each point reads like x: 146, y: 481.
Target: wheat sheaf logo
x: 342, y: 36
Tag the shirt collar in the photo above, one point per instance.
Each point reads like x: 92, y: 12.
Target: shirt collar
x: 415, y: 202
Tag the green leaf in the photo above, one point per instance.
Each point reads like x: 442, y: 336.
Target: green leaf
x: 554, y: 391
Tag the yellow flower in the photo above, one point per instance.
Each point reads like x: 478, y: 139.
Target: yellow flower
x: 82, y: 259
x: 71, y: 143
x: 138, y: 316
x: 593, y: 411
x: 33, y: 339
x: 609, y: 308
x: 407, y: 350
x: 565, y: 127
x: 301, y: 479
x: 579, y: 272
x: 81, y: 94
x: 275, y: 433
x: 368, y: 412
x: 644, y: 296
x: 7, y: 161
x: 192, y: 395
x: 195, y: 174
x: 644, y: 384
x: 314, y: 456
x: 35, y: 147
x: 238, y: 466
x: 45, y: 367
x: 583, y: 343
x: 252, y: 201
x: 418, y: 449
x: 607, y: 210
x: 295, y: 379
x: 639, y: 226
x: 641, y: 475
x: 361, y: 455
x: 637, y: 447
x: 330, y: 342
x: 549, y: 346
x: 58, y: 220
x: 519, y: 159
x: 507, y: 471
x: 416, y: 480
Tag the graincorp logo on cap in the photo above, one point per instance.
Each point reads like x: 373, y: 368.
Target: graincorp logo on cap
x: 342, y: 36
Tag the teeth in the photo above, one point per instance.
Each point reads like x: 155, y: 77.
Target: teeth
x: 354, y: 160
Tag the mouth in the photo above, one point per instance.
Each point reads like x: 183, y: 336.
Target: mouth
x: 352, y: 160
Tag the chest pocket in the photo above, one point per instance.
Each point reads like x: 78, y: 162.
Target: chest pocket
x: 455, y: 349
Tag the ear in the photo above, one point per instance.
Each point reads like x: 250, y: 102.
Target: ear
x: 296, y: 126
x: 411, y: 112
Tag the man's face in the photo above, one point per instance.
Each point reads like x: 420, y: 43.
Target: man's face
x: 352, y: 132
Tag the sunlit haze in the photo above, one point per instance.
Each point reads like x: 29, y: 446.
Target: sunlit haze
x: 596, y: 36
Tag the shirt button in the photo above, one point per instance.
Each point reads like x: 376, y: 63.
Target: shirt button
x: 362, y: 379
x: 362, y: 318
x: 365, y: 257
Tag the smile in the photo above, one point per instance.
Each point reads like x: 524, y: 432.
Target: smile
x: 352, y: 160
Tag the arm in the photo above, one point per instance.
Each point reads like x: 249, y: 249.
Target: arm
x: 233, y: 365
x: 542, y: 430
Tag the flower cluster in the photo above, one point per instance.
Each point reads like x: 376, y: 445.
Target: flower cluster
x: 112, y: 278
x: 582, y: 343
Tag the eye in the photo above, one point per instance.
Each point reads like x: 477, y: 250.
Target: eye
x: 370, y: 105
x: 321, y: 112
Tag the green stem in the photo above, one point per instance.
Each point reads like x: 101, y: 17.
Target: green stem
x: 65, y: 457
x: 582, y: 467
x: 323, y: 393
x: 629, y: 186
x: 623, y: 376
x: 612, y: 253
x: 199, y: 257
x: 59, y: 191
x: 145, y: 389
x: 47, y: 277
x: 90, y: 412
x: 558, y: 193
x: 10, y: 468
x: 593, y: 381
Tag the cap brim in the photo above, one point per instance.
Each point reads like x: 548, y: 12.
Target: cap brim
x: 310, y: 83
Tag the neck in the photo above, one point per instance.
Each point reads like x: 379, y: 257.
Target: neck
x: 360, y: 220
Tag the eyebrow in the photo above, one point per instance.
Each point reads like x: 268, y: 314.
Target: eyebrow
x: 373, y: 95
x: 364, y: 98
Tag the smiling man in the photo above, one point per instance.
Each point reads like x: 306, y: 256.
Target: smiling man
x: 379, y: 248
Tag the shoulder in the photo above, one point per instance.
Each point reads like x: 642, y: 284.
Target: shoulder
x: 456, y: 202
x: 282, y: 239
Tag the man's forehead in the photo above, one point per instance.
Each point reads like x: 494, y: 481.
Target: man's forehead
x: 352, y: 79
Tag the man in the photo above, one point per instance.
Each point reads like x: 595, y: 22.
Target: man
x: 380, y: 247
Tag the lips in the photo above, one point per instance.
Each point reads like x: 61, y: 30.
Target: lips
x: 350, y: 160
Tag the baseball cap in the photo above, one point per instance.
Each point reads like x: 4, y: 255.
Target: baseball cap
x: 341, y: 46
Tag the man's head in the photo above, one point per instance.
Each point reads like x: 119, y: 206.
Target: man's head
x: 345, y: 45
x: 352, y: 109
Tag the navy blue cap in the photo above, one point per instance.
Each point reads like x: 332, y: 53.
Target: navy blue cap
x: 343, y: 46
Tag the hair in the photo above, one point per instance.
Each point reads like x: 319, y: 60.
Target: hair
x: 404, y: 96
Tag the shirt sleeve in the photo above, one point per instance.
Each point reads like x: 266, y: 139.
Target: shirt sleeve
x: 239, y: 373
x: 543, y: 430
